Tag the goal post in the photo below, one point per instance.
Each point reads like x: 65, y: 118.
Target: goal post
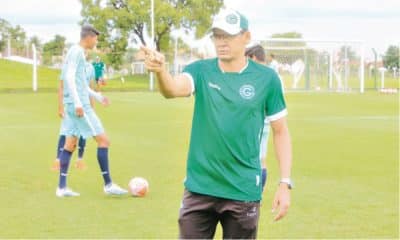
x: 317, y: 65
x: 34, y: 69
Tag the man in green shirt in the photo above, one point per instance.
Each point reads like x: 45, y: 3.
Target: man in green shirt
x: 99, y: 68
x: 232, y: 98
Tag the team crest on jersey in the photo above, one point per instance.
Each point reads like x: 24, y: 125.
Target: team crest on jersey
x: 247, y: 91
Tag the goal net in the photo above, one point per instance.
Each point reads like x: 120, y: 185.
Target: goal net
x: 313, y: 65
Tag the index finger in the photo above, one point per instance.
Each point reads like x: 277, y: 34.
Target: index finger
x: 282, y: 212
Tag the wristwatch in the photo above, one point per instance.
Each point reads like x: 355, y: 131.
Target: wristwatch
x: 287, y: 181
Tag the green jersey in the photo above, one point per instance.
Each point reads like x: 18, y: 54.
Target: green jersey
x: 98, y: 69
x: 228, y: 120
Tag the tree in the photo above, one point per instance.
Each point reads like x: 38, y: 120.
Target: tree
x: 123, y: 20
x: 52, y: 48
x: 55, y: 46
x: 4, y: 26
x: 18, y: 39
x: 284, y: 55
x: 287, y: 35
x: 16, y: 35
x: 391, y: 58
x: 4, y: 33
x: 35, y: 40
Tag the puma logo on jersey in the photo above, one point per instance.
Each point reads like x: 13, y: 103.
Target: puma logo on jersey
x: 213, y: 85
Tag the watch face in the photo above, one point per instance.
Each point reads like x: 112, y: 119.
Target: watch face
x: 288, y: 183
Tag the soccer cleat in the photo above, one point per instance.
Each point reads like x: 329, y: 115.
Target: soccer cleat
x: 66, y: 192
x: 114, y: 189
x: 80, y: 165
x: 56, y: 165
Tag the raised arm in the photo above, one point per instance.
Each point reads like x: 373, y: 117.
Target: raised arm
x: 170, y: 86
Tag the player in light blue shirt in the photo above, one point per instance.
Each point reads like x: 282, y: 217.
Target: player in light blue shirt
x: 79, y: 164
x: 79, y: 117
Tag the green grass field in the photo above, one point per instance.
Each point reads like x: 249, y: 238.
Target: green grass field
x: 346, y: 168
x: 17, y: 77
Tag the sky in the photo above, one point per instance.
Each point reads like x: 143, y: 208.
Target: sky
x: 375, y: 22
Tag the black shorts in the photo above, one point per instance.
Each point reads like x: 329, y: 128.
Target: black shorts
x: 200, y: 214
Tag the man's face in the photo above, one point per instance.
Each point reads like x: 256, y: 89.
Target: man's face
x: 230, y: 47
x: 91, y: 41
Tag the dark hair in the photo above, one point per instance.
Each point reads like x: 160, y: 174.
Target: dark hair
x: 88, y: 30
x: 256, y: 51
x: 272, y: 55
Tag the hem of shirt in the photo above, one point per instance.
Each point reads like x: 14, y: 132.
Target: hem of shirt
x: 227, y: 196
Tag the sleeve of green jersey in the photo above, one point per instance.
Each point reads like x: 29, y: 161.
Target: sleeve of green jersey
x: 192, y: 71
x: 275, y: 102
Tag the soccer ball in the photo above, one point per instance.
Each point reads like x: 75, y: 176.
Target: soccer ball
x: 138, y: 187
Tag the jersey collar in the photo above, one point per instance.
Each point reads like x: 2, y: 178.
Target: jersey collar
x: 242, y: 70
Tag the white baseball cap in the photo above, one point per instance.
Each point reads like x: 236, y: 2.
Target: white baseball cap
x: 230, y: 21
